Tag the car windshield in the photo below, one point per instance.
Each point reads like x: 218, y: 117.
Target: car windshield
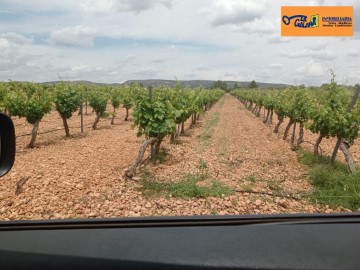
x: 132, y: 108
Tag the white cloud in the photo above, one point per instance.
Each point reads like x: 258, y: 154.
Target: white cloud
x: 146, y: 72
x: 4, y: 44
x: 38, y: 5
x: 231, y: 74
x: 312, y: 69
x: 76, y: 36
x: 277, y: 39
x: 357, y: 15
x: 82, y: 68
x: 319, y: 45
x: 158, y: 60
x: 127, y: 59
x: 276, y: 65
x: 256, y: 26
x: 313, y: 54
x: 354, y: 75
x: 16, y: 38
x: 353, y: 53
x: 10, y: 54
x: 201, y: 68
x: 316, y: 3
x: 6, y: 54
x: 105, y: 7
x: 88, y: 6
x: 46, y: 38
x: 234, y: 12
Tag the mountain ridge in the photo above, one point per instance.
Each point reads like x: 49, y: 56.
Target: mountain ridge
x: 184, y: 83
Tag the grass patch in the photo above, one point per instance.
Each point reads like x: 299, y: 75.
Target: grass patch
x: 251, y: 178
x: 332, y: 182
x: 185, y: 188
x: 274, y: 186
x: 209, y: 127
x: 203, y: 168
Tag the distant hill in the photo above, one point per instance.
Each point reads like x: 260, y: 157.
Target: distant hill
x: 191, y: 83
x: 202, y: 83
x: 86, y: 83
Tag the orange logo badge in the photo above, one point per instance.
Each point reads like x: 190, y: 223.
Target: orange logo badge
x: 317, y: 21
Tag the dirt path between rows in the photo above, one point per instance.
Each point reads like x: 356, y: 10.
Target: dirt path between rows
x: 82, y: 176
x: 244, y: 154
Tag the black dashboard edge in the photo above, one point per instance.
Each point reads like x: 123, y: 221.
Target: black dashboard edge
x: 181, y: 221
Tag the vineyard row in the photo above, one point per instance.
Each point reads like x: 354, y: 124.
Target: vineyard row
x: 329, y: 111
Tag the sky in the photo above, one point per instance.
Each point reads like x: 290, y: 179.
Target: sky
x: 112, y: 41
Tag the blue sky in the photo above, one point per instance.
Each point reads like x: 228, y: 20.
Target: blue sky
x: 117, y: 40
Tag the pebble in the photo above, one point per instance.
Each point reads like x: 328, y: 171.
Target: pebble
x: 258, y: 202
x: 228, y: 204
x: 283, y: 203
x: 148, y: 205
x: 80, y: 186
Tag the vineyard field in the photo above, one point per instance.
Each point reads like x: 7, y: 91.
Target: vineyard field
x: 83, y: 176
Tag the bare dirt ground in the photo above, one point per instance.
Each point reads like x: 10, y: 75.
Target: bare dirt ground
x: 82, y: 176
